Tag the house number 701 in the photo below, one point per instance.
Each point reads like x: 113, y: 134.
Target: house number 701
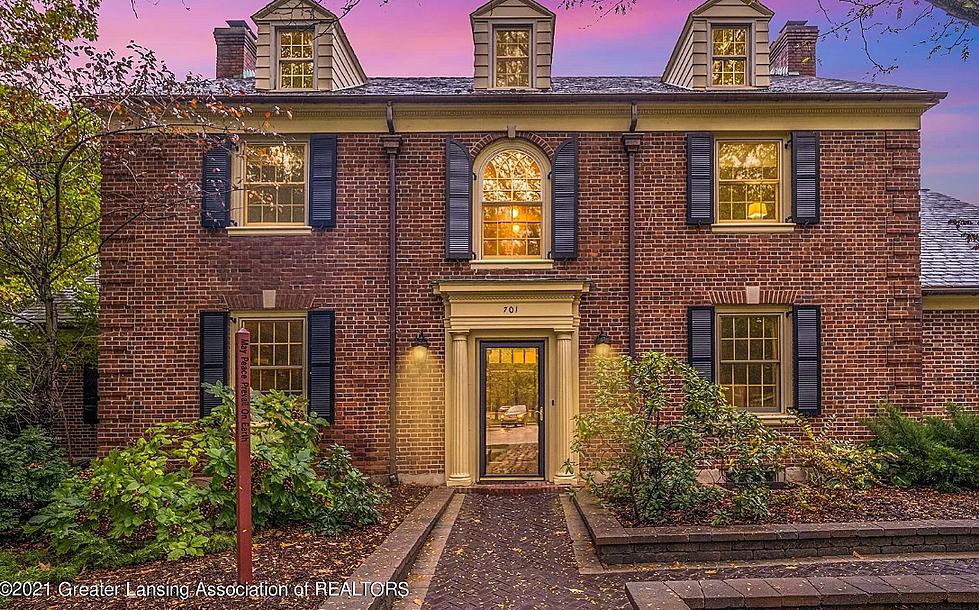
x: 509, y: 309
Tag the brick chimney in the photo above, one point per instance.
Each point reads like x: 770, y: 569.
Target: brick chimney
x: 236, y: 50
x: 794, y: 52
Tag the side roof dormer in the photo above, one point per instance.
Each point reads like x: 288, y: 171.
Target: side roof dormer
x: 513, y: 42
x: 301, y: 46
x: 724, y: 45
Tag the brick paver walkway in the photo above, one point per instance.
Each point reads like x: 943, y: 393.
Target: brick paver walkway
x: 515, y: 552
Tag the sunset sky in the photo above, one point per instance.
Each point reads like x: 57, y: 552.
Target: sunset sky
x: 432, y: 37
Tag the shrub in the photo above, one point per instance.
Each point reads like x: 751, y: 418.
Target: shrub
x: 833, y: 463
x: 32, y: 466
x: 172, y: 493
x: 935, y: 452
x: 650, y: 450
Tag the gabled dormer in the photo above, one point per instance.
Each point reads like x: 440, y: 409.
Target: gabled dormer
x: 301, y: 46
x: 513, y: 42
x: 724, y: 45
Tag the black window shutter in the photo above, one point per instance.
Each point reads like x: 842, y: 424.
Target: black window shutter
x: 323, y: 181
x: 90, y: 394
x: 458, y: 202
x: 321, y: 348
x: 216, y: 186
x: 807, y: 365
x: 564, y: 201
x: 700, y: 340
x: 214, y: 355
x: 805, y: 178
x: 700, y: 178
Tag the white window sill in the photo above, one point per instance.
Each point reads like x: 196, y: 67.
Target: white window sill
x: 753, y: 227
x: 502, y: 263
x: 773, y: 420
x: 284, y: 230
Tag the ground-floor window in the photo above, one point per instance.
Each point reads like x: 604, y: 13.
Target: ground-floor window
x: 278, y: 353
x: 752, y: 359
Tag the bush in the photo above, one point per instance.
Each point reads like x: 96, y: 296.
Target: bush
x: 32, y: 466
x: 833, y: 463
x: 935, y: 452
x: 651, y: 450
x: 172, y: 494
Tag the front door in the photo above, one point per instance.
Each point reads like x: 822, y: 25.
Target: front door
x: 511, y: 390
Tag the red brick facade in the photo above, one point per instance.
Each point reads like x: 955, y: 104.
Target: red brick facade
x: 860, y: 263
x: 951, y: 362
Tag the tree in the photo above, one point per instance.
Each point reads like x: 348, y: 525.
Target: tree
x: 948, y: 24
x: 61, y: 101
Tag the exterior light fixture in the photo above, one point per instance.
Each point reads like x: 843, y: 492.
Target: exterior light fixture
x: 603, y: 344
x: 420, y: 340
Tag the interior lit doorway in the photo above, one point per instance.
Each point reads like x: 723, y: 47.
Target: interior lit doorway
x: 511, y: 409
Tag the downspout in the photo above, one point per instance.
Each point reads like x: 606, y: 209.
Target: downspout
x: 631, y: 142
x: 391, y: 143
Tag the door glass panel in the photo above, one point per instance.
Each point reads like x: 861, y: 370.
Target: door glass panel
x: 511, y: 392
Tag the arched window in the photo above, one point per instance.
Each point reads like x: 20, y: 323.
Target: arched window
x: 510, y: 214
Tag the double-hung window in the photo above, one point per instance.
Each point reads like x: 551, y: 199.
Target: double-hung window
x: 512, y: 65
x: 749, y: 181
x: 750, y: 361
x: 274, y: 184
x: 729, y: 56
x: 277, y: 353
x: 295, y: 58
x: 511, y: 210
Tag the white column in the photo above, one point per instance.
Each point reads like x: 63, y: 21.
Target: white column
x: 561, y: 424
x: 458, y: 445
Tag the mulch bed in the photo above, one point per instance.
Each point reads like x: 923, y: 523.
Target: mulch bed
x: 283, y: 556
x: 805, y: 505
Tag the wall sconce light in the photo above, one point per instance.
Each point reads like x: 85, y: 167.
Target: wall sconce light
x: 603, y: 344
x: 420, y: 340
x: 419, y: 348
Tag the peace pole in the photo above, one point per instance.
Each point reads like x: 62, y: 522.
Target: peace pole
x: 243, y: 447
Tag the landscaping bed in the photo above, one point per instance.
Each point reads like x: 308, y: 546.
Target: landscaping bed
x: 283, y: 556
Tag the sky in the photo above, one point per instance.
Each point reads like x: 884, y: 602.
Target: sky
x: 432, y: 37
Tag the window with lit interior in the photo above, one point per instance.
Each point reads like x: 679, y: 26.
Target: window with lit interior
x: 748, y: 181
x: 750, y: 362
x: 296, y: 59
x: 512, y: 53
x: 274, y: 184
x: 277, y: 351
x: 729, y: 57
x: 512, y: 206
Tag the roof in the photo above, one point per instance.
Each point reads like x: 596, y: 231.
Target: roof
x: 459, y: 88
x: 758, y: 6
x: 948, y: 261
x: 492, y: 4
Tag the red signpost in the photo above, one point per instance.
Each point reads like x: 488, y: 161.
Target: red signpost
x: 243, y: 446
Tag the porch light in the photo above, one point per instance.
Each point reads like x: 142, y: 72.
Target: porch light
x: 603, y: 344
x: 419, y: 348
x: 420, y: 340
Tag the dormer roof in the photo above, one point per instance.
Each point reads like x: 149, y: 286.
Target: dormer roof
x: 524, y: 20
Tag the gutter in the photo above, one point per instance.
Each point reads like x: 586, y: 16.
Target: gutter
x: 391, y: 143
x: 960, y: 290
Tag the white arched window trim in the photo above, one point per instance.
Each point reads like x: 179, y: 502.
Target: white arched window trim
x: 479, y: 168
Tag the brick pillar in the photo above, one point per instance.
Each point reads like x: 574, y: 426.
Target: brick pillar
x: 794, y: 51
x: 235, y: 50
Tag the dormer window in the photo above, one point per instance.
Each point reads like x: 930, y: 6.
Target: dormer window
x: 512, y: 57
x: 729, y: 56
x: 296, y: 59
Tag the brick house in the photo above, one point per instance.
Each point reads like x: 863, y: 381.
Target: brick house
x: 434, y: 261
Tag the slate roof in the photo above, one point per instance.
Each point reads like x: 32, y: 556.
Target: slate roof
x: 438, y: 86
x: 948, y: 261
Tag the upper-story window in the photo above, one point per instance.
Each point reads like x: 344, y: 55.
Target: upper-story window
x: 749, y: 180
x: 512, y: 57
x: 274, y: 184
x: 511, y: 211
x: 729, y: 56
x: 295, y: 58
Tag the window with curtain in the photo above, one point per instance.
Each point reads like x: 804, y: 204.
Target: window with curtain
x: 729, y: 57
x: 274, y: 184
x: 512, y: 206
x: 749, y: 181
x: 296, y: 59
x: 512, y: 55
x: 278, y: 354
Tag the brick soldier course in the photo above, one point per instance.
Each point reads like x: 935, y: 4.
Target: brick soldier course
x: 851, y: 249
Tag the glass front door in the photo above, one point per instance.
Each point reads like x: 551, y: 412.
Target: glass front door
x: 511, y: 406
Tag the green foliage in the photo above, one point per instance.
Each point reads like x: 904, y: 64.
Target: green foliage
x: 935, y: 452
x: 172, y: 494
x: 31, y: 468
x: 34, y: 565
x: 832, y: 463
x: 657, y: 425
